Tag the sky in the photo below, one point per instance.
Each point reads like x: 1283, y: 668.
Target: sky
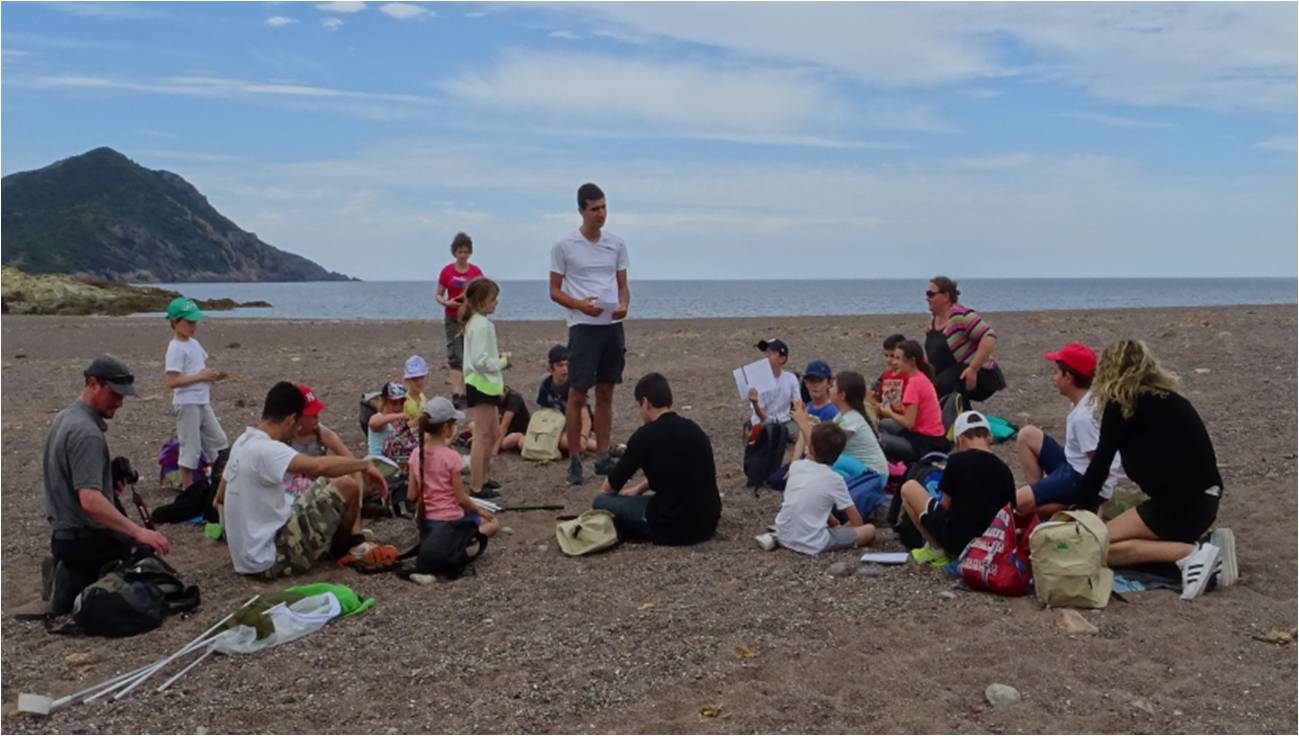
x: 772, y: 140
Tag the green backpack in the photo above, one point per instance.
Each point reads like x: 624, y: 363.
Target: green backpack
x: 541, y: 443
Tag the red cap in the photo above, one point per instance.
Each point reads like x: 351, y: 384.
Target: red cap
x: 1077, y: 356
x: 314, y: 406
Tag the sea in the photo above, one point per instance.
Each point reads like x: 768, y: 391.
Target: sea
x: 666, y: 299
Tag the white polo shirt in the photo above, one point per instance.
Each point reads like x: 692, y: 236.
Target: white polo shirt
x: 589, y: 269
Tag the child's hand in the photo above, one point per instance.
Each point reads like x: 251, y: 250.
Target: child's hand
x: 753, y: 394
x: 798, y: 410
x: 211, y: 374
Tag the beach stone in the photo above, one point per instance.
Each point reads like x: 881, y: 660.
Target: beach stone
x: 870, y: 571
x: 1144, y: 705
x: 947, y: 595
x: 841, y: 569
x: 999, y: 695
x: 1070, y: 621
x: 1202, y: 371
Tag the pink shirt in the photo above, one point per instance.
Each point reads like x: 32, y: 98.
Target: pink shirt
x: 455, y: 283
x: 929, y: 415
x: 435, y: 482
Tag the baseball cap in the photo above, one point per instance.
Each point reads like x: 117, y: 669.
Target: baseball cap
x: 557, y: 354
x: 182, y: 308
x: 970, y: 420
x: 415, y: 367
x: 314, y: 406
x: 440, y: 409
x: 774, y: 344
x: 113, y: 373
x: 818, y: 369
x: 1077, y: 356
x: 393, y: 390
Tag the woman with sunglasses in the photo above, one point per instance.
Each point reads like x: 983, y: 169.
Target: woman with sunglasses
x: 959, y: 345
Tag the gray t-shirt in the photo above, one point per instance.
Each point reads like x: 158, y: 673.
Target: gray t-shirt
x: 76, y: 456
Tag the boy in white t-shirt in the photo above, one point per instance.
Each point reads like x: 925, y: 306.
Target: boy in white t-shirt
x: 1053, y: 471
x: 197, y: 428
x: 773, y: 405
x: 807, y: 520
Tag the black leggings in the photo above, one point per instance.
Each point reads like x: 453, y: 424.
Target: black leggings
x: 904, y: 445
x: 988, y: 382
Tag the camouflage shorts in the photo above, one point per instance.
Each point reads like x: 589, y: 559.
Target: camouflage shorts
x: 308, y: 533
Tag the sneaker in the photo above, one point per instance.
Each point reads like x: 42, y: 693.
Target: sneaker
x: 459, y: 401
x: 574, y: 471
x: 1227, y: 570
x: 766, y: 541
x: 1197, y: 568
x: 494, y: 485
x: 485, y: 493
x: 618, y: 450
x: 605, y: 465
x: 927, y: 555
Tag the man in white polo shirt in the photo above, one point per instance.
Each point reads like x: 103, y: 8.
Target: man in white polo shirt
x: 269, y: 532
x: 588, y: 276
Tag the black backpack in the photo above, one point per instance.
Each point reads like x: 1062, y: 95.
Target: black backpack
x: 193, y: 501
x: 764, y: 455
x: 920, y: 471
x: 444, y: 550
x: 131, y: 597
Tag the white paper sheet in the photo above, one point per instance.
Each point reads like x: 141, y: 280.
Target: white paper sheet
x: 754, y: 375
x: 886, y: 558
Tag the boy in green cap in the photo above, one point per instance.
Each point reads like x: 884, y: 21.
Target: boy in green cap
x: 197, y: 428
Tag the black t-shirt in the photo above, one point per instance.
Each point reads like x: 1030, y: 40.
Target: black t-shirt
x: 677, y: 459
x: 550, y: 396
x: 515, y: 403
x: 1165, y: 448
x: 980, y: 484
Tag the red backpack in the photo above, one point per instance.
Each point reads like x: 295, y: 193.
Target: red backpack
x: 998, y: 560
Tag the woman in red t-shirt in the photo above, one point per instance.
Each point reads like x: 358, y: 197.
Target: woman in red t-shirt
x: 919, y: 420
x: 451, y: 288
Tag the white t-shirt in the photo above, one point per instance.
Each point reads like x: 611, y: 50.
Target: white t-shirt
x: 589, y: 269
x: 256, y: 504
x: 812, y: 491
x: 862, y: 442
x: 188, y: 357
x: 776, y: 401
x: 1082, y: 433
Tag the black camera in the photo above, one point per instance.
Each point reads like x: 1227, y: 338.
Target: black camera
x: 124, y: 472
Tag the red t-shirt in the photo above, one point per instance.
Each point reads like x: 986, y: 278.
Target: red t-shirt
x: 455, y: 283
x: 891, y: 387
x: 929, y: 415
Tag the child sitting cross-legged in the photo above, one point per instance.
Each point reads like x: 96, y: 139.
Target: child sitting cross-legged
x: 435, y: 484
x: 807, y: 521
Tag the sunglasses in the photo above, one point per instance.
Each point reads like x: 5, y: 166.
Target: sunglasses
x: 932, y: 294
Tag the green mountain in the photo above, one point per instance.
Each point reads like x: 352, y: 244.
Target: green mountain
x: 102, y: 215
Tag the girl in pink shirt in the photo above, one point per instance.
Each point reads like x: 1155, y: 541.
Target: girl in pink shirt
x: 435, y: 481
x: 916, y: 427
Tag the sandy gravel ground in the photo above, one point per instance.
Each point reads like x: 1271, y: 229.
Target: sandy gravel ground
x: 642, y: 639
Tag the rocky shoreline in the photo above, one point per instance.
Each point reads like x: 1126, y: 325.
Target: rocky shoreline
x: 59, y: 294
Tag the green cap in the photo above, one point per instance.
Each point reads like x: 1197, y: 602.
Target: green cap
x: 182, y: 308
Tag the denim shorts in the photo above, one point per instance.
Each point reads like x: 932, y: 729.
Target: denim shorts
x: 1060, y: 484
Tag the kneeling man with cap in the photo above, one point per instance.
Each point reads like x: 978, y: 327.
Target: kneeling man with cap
x: 89, y: 527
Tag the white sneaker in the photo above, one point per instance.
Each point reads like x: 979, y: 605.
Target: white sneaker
x: 1197, y: 569
x: 1227, y: 569
x: 766, y: 541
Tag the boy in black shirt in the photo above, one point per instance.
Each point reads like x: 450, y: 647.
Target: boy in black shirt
x: 975, y: 485
x: 677, y: 459
x: 553, y: 394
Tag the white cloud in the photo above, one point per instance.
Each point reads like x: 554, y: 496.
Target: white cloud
x: 564, y: 35
x: 189, y: 156
x: 1114, y: 121
x: 403, y: 11
x: 1279, y: 143
x: 278, y: 20
x: 562, y: 85
x: 1227, y: 57
x: 346, y: 7
x: 332, y: 24
x: 106, y: 10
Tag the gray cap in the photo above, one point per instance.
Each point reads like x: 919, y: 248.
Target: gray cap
x: 110, y: 371
x: 440, y: 409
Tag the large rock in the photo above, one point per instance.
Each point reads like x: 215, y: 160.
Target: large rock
x: 1000, y: 695
x: 58, y: 294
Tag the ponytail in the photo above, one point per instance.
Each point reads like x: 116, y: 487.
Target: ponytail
x: 853, y: 387
x: 912, y: 351
x: 477, y: 293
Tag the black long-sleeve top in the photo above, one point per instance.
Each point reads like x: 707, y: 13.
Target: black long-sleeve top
x: 1166, y: 449
x: 677, y: 459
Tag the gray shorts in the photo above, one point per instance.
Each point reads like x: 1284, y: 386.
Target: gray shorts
x: 198, y: 430
x: 841, y: 537
x: 455, y: 343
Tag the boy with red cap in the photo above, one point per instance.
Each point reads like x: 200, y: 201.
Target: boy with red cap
x: 1053, y: 472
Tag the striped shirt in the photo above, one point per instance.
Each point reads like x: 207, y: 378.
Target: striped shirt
x: 963, y: 331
